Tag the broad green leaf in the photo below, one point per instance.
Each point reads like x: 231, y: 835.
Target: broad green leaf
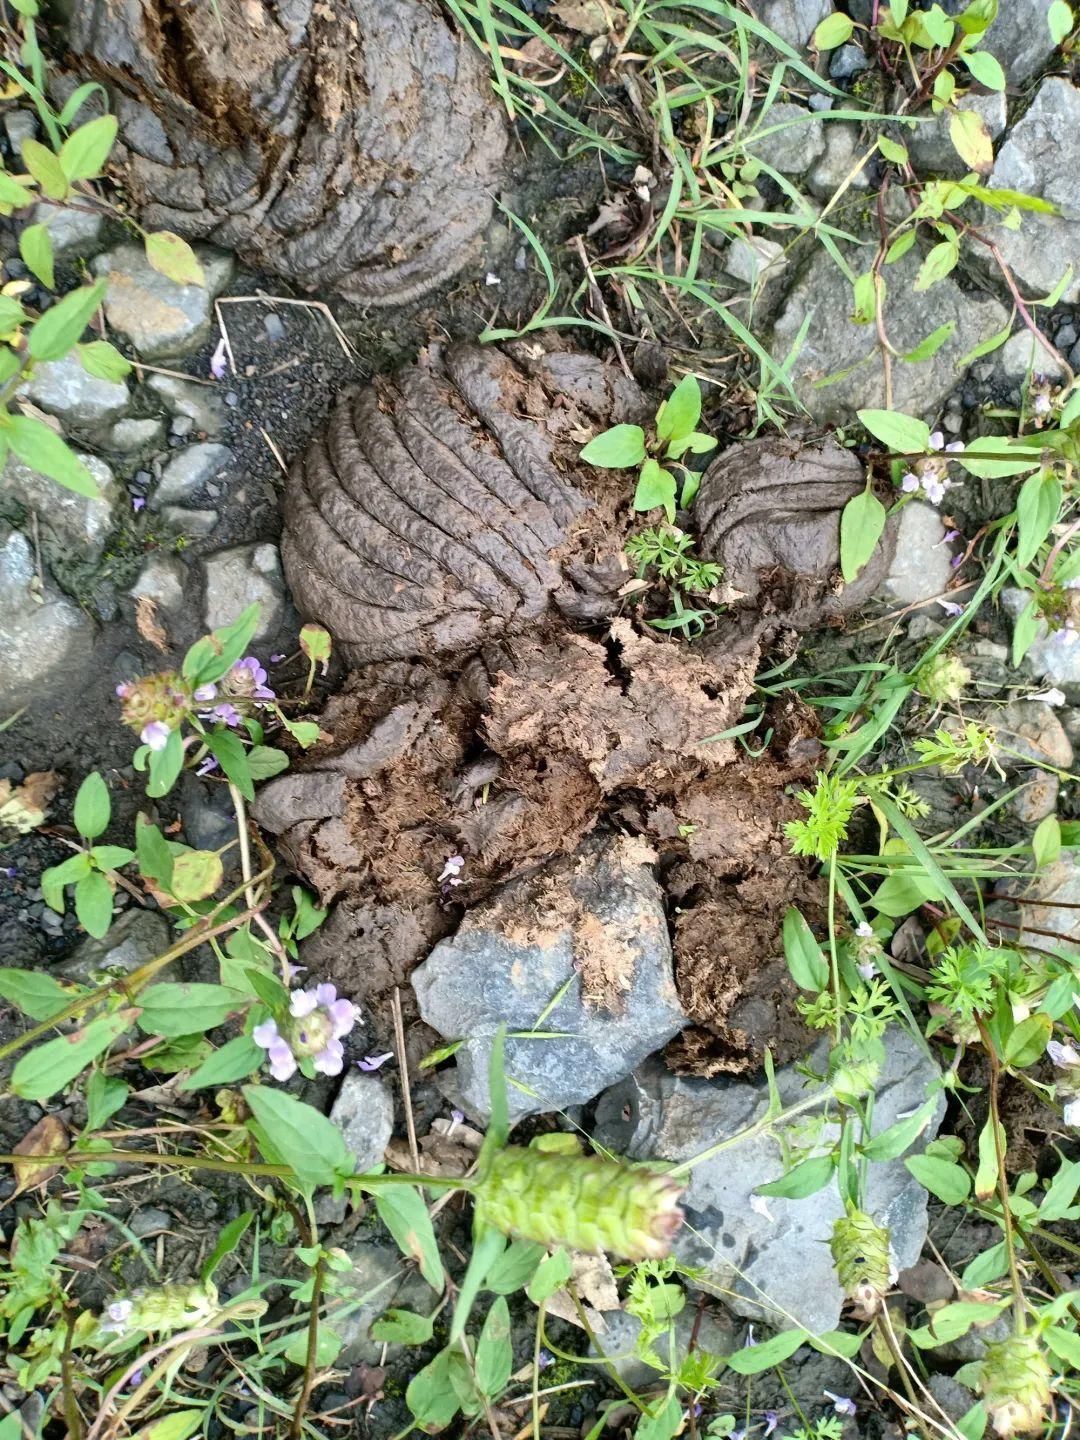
x: 1037, y: 507
x: 986, y: 1173
x: 105, y: 1095
x: 58, y: 329
x: 36, y: 994
x: 985, y: 68
x: 46, y: 169
x: 1061, y: 1192
x: 514, y: 1268
x: 901, y: 433
x: 404, y: 1213
x: 77, y: 99
x: 755, y: 1358
x: 834, y: 30
x: 898, y: 155
x: 165, y: 766
x: 12, y: 316
x: 948, y: 1182
x: 972, y: 1424
x: 94, y: 903
x: 175, y: 1425
x: 430, y: 1397
x: 1046, y: 842
x: 865, y: 299
x: 265, y: 761
x: 174, y: 258
x: 196, y: 875
x: 14, y: 195
x: 49, y: 454
x: 952, y: 1321
x: 1027, y: 457
x: 679, y: 414
x: 35, y: 247
x: 971, y: 140
x: 232, y: 757
x: 900, y: 1136
x: 938, y: 262
x: 804, y: 1179
x: 209, y: 658
x: 656, y: 487
x: 617, y: 448
x: 660, y: 1420
x: 1025, y: 631
x: 403, y: 1327
x: 92, y: 807
x: 153, y: 854
x: 85, y: 151
x: 986, y: 1268
x: 837, y: 1342
x: 111, y: 857
x: 904, y: 891
x: 310, y: 1144
x: 1027, y: 1042
x: 937, y: 25
x: 494, y: 1358
x: 56, y: 877
x: 1065, y: 1344
x: 179, y: 1008
x: 103, y: 361
x: 1060, y: 19
x: 227, y: 1242
x: 47, y: 1069
x: 552, y: 1274
x: 861, y: 524
x: 304, y: 732
x: 805, y: 959
x: 327, y: 1347
x: 236, y: 1060
x: 931, y: 345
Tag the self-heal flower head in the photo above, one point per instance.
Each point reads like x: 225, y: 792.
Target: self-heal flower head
x: 278, y: 1051
x: 156, y: 734
x: 864, y: 930
x: 163, y: 697
x: 317, y: 1022
x: 247, y: 679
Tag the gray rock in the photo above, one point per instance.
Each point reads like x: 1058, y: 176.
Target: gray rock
x: 776, y: 1268
x: 1020, y: 38
x: 200, y: 403
x: 381, y: 1279
x: 40, y: 633
x: 135, y: 437
x: 158, y: 317
x: 1033, y: 735
x: 364, y: 1113
x: 149, y: 1220
x: 835, y: 344
x: 1055, y: 892
x: 161, y: 580
x: 195, y: 524
x: 134, y: 937
x: 74, y: 231
x: 187, y: 472
x: 714, y: 1332
x: 848, y: 61
x: 842, y: 153
x: 606, y: 939
x: 793, y: 20
x: 236, y: 578
x: 1037, y: 799
x: 20, y: 125
x: 1052, y: 656
x: 928, y: 143
x: 789, y: 138
x: 753, y: 259
x: 955, y: 1399
x: 1040, y: 157
x: 1022, y: 355
x: 207, y: 814
x: 65, y: 389
x: 69, y: 522
x: 921, y: 565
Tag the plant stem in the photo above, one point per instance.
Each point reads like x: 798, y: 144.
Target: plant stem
x: 1003, y: 1182
x: 312, y: 1350
x: 808, y: 1102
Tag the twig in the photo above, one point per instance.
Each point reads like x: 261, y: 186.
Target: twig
x: 403, y: 1071
x: 312, y: 1351
x: 319, y: 305
x: 274, y: 451
x: 225, y: 336
x: 138, y: 365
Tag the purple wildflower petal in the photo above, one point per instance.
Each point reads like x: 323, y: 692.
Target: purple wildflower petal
x: 910, y: 483
x: 1063, y: 1056
x: 266, y: 1034
x: 282, y: 1060
x: 951, y: 608
x: 302, y: 1002
x: 217, y: 360
x: 772, y: 1420
x: 325, y: 994
x: 206, y: 766
x: 156, y: 734
x: 343, y: 1015
x: 204, y: 693
x: 937, y: 440
x: 330, y: 1061
x: 277, y: 659
x: 138, y: 502
x: 373, y: 1062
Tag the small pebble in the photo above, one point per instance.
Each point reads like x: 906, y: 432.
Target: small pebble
x: 273, y: 326
x: 181, y: 425
x: 232, y: 399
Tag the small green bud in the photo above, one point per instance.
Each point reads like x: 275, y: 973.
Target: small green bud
x: 583, y: 1202
x: 942, y: 679
x: 1014, y: 1382
x: 162, y: 1311
x: 860, y: 1252
x: 853, y: 1072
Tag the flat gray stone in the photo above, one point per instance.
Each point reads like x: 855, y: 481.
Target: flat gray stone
x: 921, y: 565
x: 135, y: 937
x: 380, y: 1279
x: 134, y: 437
x: 1038, y: 798
x: 188, y: 471
x: 196, y: 524
x: 158, y: 317
x: 777, y: 1269
x: 1020, y: 38
x: 161, y: 580
x: 364, y: 1113
x: 789, y: 138
x: 753, y: 259
x: 836, y: 346
x: 793, y: 20
x: 1051, y: 656
x: 1055, y: 889
x: 69, y: 522
x: 1033, y: 735
x: 72, y: 230
x: 65, y: 389
x: 200, y: 403
x: 20, y: 125
x: 1042, y: 157
x: 843, y: 150
x: 594, y: 924
x: 240, y: 577
x: 712, y: 1331
x: 1022, y: 355
x: 40, y: 634
x: 928, y: 144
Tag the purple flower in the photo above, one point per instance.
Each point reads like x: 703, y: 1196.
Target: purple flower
x: 118, y: 1314
x: 247, y: 677
x: 278, y: 1051
x: 225, y: 713
x: 138, y: 502
x: 204, y: 693
x: 543, y: 1360
x: 373, y: 1062
x: 208, y: 764
x: 841, y: 1403
x: 772, y: 1420
x: 951, y: 607
x: 1065, y: 1057
x: 123, y: 690
x: 277, y: 659
x: 910, y: 483
x: 135, y: 1380
x: 217, y: 360
x: 156, y: 734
